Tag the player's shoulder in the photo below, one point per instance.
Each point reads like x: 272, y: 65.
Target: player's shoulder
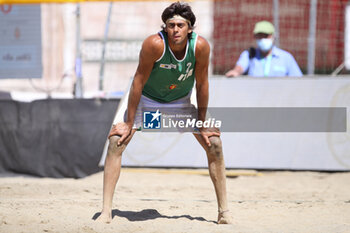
x: 153, y: 43
x: 202, y: 45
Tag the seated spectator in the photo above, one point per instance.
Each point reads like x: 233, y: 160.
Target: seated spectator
x: 266, y: 60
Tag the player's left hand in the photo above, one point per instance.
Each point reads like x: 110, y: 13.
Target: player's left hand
x: 209, y: 132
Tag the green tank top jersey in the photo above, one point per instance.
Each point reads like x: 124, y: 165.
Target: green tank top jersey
x: 172, y: 79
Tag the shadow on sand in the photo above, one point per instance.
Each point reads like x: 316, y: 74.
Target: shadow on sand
x: 147, y: 214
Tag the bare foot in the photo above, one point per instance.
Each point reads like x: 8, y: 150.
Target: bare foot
x: 224, y: 217
x: 104, y: 217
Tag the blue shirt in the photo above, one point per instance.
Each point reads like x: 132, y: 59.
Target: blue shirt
x: 278, y: 64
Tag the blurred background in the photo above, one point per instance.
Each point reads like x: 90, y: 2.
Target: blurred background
x: 70, y: 32
x: 313, y: 31
x: 65, y: 66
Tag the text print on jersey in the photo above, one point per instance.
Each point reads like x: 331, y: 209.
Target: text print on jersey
x: 189, y: 72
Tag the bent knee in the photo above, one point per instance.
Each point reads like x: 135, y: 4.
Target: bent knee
x: 215, y: 142
x: 114, y: 139
x: 216, y: 145
x: 113, y: 142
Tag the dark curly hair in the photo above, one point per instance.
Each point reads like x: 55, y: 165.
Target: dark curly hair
x: 182, y: 9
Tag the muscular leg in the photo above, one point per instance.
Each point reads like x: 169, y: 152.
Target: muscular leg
x: 111, y: 175
x: 216, y: 166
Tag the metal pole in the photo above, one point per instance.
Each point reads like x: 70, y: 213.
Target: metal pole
x: 312, y: 38
x: 100, y: 86
x: 276, y: 22
x: 78, y: 89
x: 338, y: 69
x: 347, y: 37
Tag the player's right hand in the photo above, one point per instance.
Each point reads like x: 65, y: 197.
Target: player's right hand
x: 120, y: 129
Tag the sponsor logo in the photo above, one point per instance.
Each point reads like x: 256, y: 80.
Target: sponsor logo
x: 167, y: 66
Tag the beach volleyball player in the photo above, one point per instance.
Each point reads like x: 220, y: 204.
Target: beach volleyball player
x: 170, y: 62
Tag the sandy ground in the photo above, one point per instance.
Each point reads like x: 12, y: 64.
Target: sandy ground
x: 151, y: 201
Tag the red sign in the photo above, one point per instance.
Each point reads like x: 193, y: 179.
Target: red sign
x: 5, y: 9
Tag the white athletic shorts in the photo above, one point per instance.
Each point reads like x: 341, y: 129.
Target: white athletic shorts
x: 181, y: 106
